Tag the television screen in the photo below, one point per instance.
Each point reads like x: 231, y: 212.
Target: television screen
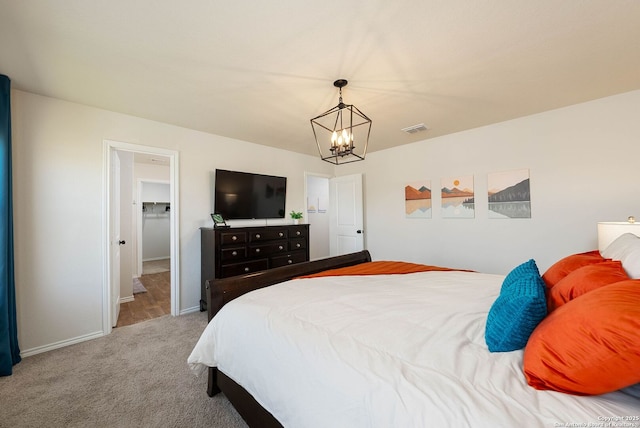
x: 242, y: 195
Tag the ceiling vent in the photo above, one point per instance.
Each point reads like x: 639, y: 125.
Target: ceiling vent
x: 415, y: 128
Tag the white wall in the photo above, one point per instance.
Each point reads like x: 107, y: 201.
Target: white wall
x: 59, y: 251
x: 155, y: 192
x: 583, y: 163
x: 151, y: 172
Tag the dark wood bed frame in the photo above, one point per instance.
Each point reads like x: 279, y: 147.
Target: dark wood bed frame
x: 222, y: 291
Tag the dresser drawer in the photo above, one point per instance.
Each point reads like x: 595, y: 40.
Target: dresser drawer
x: 289, y: 259
x: 244, y: 267
x: 268, y: 235
x: 233, y: 253
x: 297, y: 244
x: 267, y: 249
x: 297, y: 231
x: 233, y: 238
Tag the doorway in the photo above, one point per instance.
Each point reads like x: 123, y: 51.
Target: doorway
x: 134, y: 157
x: 335, y: 213
x: 146, y: 290
x: 317, y: 214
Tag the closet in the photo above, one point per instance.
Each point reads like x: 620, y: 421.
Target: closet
x: 156, y: 226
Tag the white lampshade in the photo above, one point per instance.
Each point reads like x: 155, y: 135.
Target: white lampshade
x: 608, y: 231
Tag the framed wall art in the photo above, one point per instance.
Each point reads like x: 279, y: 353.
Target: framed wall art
x: 458, y: 197
x: 509, y: 194
x: 417, y: 199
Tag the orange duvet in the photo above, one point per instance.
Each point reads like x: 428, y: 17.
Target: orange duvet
x: 380, y: 268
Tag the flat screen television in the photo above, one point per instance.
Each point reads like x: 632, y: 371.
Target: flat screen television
x: 243, y: 195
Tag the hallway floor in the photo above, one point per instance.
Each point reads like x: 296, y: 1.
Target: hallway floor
x: 156, y: 302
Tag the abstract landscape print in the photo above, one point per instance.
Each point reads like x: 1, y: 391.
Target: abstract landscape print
x: 417, y: 199
x: 458, y: 197
x: 509, y: 194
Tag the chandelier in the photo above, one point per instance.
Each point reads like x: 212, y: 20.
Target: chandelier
x: 339, y: 130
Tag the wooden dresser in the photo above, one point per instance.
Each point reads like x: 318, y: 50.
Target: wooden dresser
x: 240, y: 250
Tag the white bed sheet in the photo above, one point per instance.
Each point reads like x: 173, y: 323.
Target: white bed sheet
x: 385, y: 351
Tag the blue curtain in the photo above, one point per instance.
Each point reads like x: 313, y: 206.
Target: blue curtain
x: 9, y: 350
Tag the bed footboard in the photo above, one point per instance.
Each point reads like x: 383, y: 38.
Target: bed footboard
x: 251, y: 411
x: 222, y: 291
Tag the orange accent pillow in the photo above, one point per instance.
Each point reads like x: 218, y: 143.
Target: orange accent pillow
x: 585, y: 279
x: 590, y: 345
x: 565, y: 266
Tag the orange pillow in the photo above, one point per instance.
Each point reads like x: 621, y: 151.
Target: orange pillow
x: 565, y: 266
x: 585, y: 279
x: 590, y: 345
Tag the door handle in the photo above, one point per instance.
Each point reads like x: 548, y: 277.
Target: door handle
x: 121, y: 242
x: 358, y: 231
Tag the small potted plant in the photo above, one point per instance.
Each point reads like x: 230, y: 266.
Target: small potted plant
x: 296, y: 216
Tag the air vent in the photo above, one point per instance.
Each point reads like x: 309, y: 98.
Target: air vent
x: 415, y: 128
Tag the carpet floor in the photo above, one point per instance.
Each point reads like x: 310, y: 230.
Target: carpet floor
x: 136, y: 377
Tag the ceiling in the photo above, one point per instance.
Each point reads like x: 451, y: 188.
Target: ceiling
x: 258, y: 71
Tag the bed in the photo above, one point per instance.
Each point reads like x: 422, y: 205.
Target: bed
x: 298, y: 347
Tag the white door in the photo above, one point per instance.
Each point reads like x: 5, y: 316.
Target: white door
x: 114, y: 239
x: 346, y: 222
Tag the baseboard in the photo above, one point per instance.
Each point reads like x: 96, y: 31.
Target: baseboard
x: 190, y: 310
x: 153, y: 259
x: 61, y: 344
x: 127, y: 299
x: 79, y: 339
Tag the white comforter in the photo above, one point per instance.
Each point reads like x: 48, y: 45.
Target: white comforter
x: 386, y: 351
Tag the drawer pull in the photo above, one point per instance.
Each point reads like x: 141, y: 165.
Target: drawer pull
x: 289, y: 261
x: 257, y: 236
x: 281, y: 234
x: 246, y: 269
x: 298, y: 232
x: 257, y: 250
x: 235, y: 253
x: 298, y: 245
x: 234, y: 238
x: 280, y: 247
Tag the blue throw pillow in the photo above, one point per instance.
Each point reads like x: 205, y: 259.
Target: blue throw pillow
x: 515, y: 314
x: 528, y: 268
